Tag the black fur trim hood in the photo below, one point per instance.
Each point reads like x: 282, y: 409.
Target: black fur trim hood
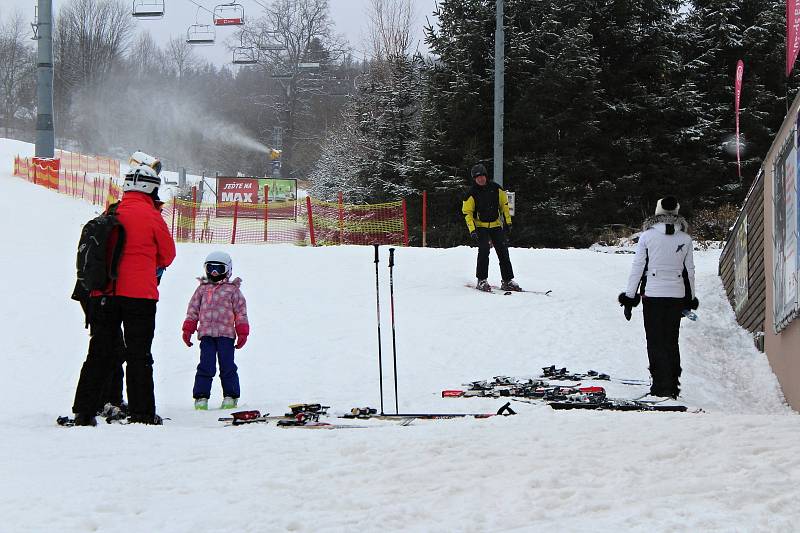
x: 675, y: 220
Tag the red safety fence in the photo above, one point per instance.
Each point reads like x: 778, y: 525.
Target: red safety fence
x: 304, y: 222
x: 97, y: 190
x: 307, y: 222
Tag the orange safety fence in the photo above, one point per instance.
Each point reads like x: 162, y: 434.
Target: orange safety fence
x: 301, y: 222
x: 76, y: 162
x: 96, y: 190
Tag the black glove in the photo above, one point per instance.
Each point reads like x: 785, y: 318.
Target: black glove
x: 628, y: 303
x: 473, y: 235
x: 692, y: 304
x: 507, y: 230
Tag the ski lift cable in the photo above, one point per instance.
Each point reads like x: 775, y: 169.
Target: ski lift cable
x: 243, y: 29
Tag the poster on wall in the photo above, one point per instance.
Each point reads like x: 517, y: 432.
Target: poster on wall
x: 785, y: 227
x: 740, y: 287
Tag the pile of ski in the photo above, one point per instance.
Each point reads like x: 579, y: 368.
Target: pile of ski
x: 560, y: 396
x: 562, y: 374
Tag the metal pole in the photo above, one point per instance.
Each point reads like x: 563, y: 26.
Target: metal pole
x: 499, y: 87
x: 378, y: 304
x: 394, y: 343
x: 45, y: 136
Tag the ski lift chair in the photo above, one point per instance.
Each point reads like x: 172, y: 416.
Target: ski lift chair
x: 148, y: 9
x: 244, y: 55
x: 229, y: 15
x: 200, y: 34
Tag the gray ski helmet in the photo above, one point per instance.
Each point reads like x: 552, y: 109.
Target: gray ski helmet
x: 478, y: 170
x: 220, y: 258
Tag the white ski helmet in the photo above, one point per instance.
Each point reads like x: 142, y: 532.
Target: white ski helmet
x: 140, y: 158
x: 141, y: 178
x: 220, y: 259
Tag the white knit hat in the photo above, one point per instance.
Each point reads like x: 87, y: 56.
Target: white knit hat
x: 667, y: 206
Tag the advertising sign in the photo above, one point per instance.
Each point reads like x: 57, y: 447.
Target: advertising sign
x: 232, y: 190
x: 785, y: 227
x: 249, y: 193
x: 740, y: 286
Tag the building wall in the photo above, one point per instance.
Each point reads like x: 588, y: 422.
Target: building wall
x: 751, y: 314
x: 782, y: 349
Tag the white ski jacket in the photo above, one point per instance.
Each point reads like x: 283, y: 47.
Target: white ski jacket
x: 663, y: 258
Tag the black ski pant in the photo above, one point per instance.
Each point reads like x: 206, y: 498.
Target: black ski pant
x: 112, y: 390
x: 137, y: 316
x: 496, y: 237
x: 662, y: 322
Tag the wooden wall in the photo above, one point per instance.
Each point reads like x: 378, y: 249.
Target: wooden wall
x: 751, y: 316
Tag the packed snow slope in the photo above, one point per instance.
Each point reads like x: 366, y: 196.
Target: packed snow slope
x: 734, y: 467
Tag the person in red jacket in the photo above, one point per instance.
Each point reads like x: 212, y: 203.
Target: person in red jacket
x: 129, y: 301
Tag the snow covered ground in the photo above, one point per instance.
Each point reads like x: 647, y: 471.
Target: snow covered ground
x: 735, y: 467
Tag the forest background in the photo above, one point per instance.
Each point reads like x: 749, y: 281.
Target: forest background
x: 609, y: 104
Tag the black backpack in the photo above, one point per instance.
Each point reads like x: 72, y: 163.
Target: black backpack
x: 97, y: 264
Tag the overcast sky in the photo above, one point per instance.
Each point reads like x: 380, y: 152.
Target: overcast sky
x: 348, y: 16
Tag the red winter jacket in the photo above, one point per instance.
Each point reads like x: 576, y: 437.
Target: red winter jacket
x: 148, y: 245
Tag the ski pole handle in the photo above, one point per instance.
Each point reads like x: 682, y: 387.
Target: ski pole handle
x: 391, y: 257
x: 376, y: 253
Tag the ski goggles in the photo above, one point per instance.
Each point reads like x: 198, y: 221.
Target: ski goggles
x: 216, y: 269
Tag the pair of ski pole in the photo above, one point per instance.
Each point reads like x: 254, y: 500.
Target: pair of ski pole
x: 394, y: 343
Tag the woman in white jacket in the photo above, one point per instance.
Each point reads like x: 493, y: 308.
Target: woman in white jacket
x: 663, y: 273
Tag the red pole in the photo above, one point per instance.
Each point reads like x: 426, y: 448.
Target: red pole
x: 194, y: 210
x: 341, y: 219
x: 424, y: 218
x: 310, y: 222
x: 235, y: 217
x: 266, y: 211
x: 174, y: 208
x: 405, y: 224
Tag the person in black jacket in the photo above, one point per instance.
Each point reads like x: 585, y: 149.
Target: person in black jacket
x: 488, y: 220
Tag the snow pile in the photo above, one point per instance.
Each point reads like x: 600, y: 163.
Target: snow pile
x: 313, y: 320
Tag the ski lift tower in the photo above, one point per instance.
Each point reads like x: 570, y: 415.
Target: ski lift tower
x: 43, y: 34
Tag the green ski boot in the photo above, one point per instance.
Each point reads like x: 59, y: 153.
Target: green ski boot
x: 229, y: 403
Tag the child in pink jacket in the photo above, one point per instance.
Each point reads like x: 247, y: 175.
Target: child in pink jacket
x: 218, y: 312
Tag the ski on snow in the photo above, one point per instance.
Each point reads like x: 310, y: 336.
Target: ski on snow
x: 358, y: 413
x: 498, y: 290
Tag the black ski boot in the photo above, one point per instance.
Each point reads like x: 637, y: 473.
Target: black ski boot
x: 85, y: 419
x: 151, y: 420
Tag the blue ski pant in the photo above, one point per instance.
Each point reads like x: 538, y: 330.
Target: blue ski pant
x: 211, y: 350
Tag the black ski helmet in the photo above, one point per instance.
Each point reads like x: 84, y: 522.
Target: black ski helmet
x: 478, y: 170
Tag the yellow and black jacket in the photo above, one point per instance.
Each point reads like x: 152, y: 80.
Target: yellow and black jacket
x: 484, y: 206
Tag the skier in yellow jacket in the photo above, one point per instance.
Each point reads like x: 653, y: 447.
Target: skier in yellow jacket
x: 489, y: 222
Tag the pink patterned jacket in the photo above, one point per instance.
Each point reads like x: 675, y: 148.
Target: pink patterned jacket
x: 219, y: 308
